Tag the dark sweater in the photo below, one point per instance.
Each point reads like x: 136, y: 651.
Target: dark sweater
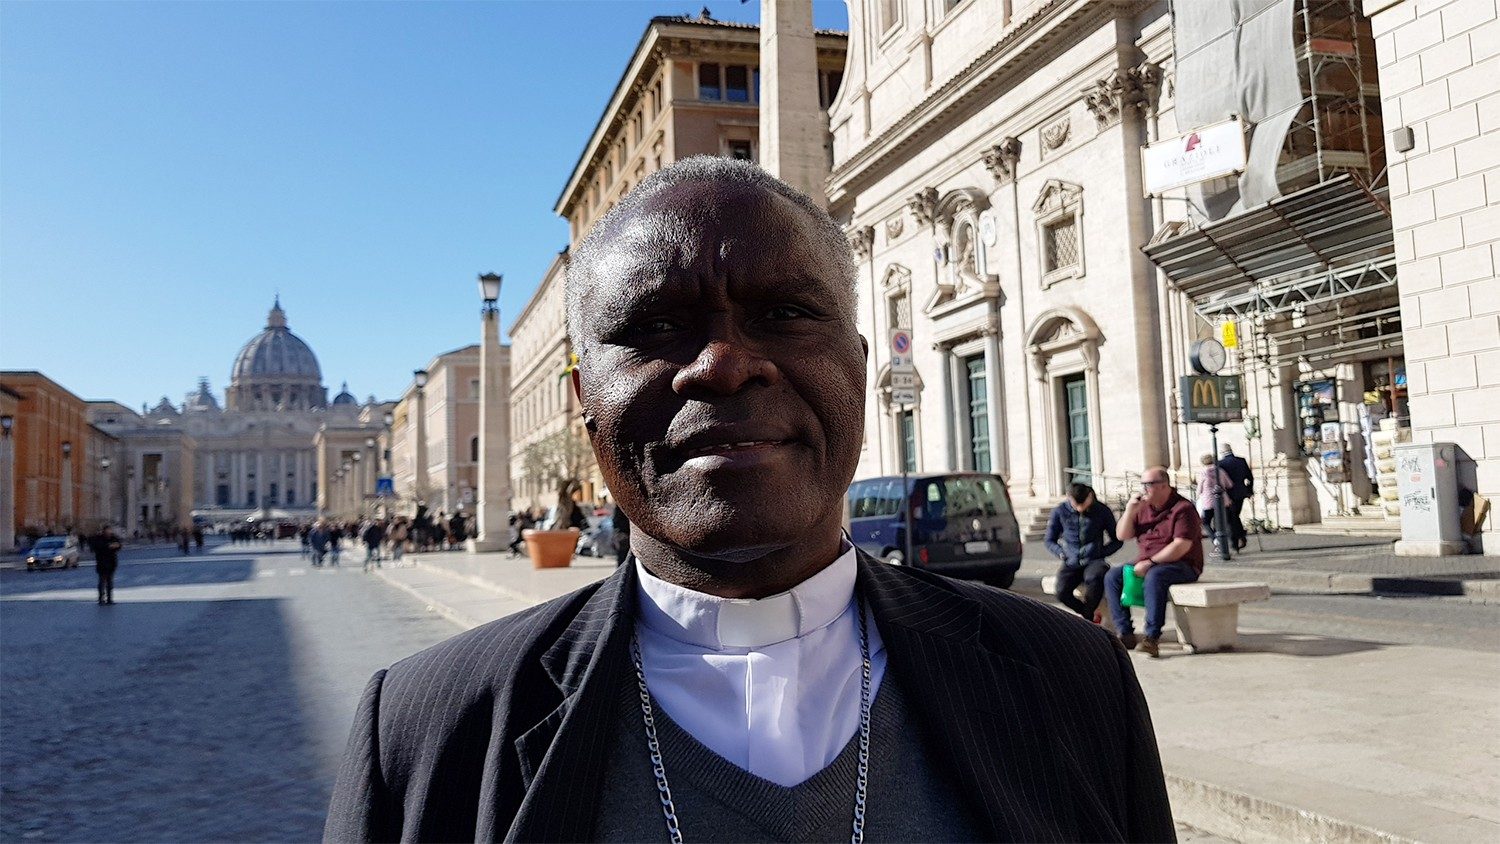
x: 909, y: 798
x: 1079, y: 538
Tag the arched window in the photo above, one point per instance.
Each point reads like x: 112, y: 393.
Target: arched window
x: 474, y: 450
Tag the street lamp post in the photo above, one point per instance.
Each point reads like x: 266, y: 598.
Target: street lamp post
x: 103, y: 505
x: 390, y: 422
x: 7, y: 484
x: 65, y: 509
x: 374, y: 467
x: 420, y: 487
x: 494, y: 469
x: 357, y: 491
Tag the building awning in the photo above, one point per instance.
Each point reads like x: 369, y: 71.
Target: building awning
x: 1330, y: 228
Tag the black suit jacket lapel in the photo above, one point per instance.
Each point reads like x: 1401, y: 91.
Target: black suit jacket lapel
x: 562, y: 757
x: 985, y: 712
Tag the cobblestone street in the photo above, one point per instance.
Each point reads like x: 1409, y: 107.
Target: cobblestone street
x: 211, y: 702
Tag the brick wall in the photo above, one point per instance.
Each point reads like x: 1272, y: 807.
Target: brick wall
x: 1440, y: 76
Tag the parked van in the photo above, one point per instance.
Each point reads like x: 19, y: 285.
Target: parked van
x: 962, y: 524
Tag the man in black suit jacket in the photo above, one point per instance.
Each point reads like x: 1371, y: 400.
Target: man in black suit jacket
x: 722, y: 381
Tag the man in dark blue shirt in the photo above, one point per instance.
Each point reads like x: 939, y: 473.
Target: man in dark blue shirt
x: 1081, y: 533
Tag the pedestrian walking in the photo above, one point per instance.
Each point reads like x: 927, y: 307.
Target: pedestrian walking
x: 458, y: 530
x: 106, y: 559
x: 1169, y: 541
x: 400, y: 532
x: 1238, y: 470
x: 318, y: 540
x: 373, y: 536
x: 198, y: 538
x: 183, y: 541
x: 335, y: 541
x: 1081, y: 533
x: 1213, y: 485
x: 302, y: 534
x: 621, y: 525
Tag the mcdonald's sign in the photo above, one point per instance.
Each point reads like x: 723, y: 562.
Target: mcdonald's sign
x: 1211, y: 399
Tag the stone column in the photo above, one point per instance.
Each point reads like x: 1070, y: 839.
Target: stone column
x: 792, y: 127
x: 999, y: 450
x: 494, y: 450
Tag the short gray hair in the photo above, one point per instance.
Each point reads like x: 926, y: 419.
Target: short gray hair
x: 700, y: 168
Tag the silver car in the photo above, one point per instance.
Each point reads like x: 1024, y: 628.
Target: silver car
x: 53, y: 552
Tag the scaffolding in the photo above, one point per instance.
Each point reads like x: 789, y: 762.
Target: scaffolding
x: 1313, y: 270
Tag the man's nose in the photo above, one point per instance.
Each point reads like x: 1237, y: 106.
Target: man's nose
x: 724, y: 367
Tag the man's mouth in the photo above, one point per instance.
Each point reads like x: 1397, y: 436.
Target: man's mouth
x: 733, y: 448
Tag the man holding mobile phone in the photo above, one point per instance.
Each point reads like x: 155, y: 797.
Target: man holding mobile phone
x: 1169, y: 535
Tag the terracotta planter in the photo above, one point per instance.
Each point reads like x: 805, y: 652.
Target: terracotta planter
x: 550, y: 549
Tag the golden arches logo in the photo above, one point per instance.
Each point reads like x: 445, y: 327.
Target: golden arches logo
x: 1205, y: 393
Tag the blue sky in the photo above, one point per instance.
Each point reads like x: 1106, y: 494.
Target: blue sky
x: 167, y: 168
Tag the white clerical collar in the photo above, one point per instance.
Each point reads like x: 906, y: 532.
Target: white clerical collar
x: 716, y: 623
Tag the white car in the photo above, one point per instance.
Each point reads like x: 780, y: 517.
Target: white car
x: 53, y: 552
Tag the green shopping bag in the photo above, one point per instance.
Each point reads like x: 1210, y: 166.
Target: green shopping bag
x: 1134, y: 592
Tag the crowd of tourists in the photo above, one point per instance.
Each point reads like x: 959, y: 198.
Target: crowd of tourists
x: 384, y: 539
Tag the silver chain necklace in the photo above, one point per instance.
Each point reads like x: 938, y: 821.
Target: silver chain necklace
x: 862, y: 779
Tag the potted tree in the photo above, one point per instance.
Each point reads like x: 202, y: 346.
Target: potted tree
x: 556, y: 461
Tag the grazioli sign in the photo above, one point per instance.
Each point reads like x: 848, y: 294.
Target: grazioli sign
x: 1199, y: 155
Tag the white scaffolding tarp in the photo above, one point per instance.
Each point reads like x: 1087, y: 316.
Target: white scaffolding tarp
x: 1235, y: 58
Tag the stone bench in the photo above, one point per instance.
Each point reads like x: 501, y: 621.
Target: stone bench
x: 1206, y: 615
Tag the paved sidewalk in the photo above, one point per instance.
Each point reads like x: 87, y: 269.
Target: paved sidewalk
x: 1288, y: 738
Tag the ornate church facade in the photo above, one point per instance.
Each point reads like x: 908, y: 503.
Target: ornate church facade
x: 256, y: 455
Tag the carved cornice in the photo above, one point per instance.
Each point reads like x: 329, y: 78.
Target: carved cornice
x: 1002, y: 158
x: 861, y: 240
x: 923, y: 205
x: 1149, y: 78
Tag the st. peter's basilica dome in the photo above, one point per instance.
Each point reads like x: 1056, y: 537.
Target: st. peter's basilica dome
x: 276, y: 369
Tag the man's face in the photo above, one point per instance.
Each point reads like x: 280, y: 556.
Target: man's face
x: 1155, y: 488
x: 724, y: 377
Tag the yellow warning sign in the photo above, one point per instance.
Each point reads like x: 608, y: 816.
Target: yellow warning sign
x: 1229, y: 334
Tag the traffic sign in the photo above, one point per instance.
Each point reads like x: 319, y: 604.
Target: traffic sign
x: 901, y: 350
x: 1211, y: 399
x: 904, y: 396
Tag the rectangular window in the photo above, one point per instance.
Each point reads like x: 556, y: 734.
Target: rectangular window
x: 737, y: 83
x: 740, y: 151
x: 291, y: 498
x: 979, y: 415
x: 1061, y: 243
x: 221, y: 495
x: 708, y: 82
x: 908, y: 421
x: 889, y: 14
x: 755, y: 82
x: 900, y: 311
x: 250, y: 498
x: 271, y: 495
x: 474, y: 388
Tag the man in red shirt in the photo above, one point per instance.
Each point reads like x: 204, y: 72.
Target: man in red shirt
x: 1169, y: 535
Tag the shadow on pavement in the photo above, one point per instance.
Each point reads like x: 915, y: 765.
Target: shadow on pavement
x: 1296, y: 644
x: 172, y: 721
x: 218, y: 570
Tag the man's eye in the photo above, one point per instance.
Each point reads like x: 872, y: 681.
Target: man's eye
x: 785, y: 312
x: 653, y: 325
